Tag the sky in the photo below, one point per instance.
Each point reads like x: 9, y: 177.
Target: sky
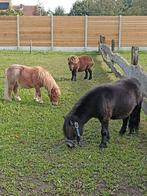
x: 47, y: 4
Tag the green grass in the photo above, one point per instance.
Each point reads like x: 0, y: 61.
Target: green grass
x: 33, y: 157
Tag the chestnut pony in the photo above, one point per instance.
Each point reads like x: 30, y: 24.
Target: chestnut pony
x: 30, y: 77
x: 121, y: 100
x: 79, y: 64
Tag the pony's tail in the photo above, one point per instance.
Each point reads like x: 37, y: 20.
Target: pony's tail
x: 6, y: 86
x: 134, y: 120
x: 6, y: 97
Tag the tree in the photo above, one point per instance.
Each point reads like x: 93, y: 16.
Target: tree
x: 104, y: 7
x: 59, y: 11
x: 125, y: 5
x: 96, y: 7
x: 109, y: 7
x: 80, y: 8
x: 139, y: 7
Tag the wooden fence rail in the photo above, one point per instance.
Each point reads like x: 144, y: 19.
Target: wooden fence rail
x: 52, y: 32
x: 129, y: 70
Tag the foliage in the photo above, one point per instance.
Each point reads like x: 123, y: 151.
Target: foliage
x: 80, y: 8
x: 11, y: 12
x: 109, y: 7
x: 95, y: 7
x: 126, y: 4
x: 138, y: 8
x: 33, y: 157
x: 59, y: 11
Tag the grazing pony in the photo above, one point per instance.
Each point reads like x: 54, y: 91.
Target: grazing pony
x: 30, y: 77
x: 121, y: 100
x: 79, y: 64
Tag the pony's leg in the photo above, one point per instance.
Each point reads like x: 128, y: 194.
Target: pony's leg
x: 104, y: 134
x: 10, y: 89
x: 38, y: 97
x: 90, y: 73
x: 7, y: 90
x: 73, y: 75
x: 86, y: 74
x: 124, y: 126
x: 15, y: 90
x: 134, y: 120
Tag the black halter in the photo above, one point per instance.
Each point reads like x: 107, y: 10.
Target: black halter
x: 76, y: 125
x: 77, y: 129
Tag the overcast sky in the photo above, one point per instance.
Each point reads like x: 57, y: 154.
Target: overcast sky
x: 47, y: 4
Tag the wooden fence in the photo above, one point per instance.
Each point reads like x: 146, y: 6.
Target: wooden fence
x: 72, y: 31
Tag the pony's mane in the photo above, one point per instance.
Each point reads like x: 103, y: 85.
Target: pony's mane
x: 47, y: 80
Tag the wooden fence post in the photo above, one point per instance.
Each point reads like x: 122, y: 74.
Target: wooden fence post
x: 102, y: 39
x: 30, y: 46
x: 17, y: 32
x: 113, y: 45
x: 119, y: 32
x: 134, y: 55
x: 52, y: 32
x: 85, y: 33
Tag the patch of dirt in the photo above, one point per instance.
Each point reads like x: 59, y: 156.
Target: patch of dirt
x: 35, y: 186
x: 100, y: 188
x: 129, y: 191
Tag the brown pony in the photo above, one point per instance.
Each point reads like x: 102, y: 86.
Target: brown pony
x: 30, y: 77
x: 79, y: 64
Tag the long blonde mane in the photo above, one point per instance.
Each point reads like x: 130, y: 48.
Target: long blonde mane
x: 47, y: 80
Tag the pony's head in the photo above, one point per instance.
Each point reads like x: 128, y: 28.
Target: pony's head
x: 50, y: 84
x: 73, y: 62
x: 54, y: 95
x: 71, y: 131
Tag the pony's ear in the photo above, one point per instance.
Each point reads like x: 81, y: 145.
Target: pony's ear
x: 75, y: 59
x: 70, y: 58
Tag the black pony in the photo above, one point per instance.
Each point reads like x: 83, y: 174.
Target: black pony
x: 121, y: 100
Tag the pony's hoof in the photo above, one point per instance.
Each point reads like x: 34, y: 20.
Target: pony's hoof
x: 17, y: 98
x: 40, y: 101
x: 131, y: 132
x: 55, y: 103
x: 121, y: 133
x: 102, y: 145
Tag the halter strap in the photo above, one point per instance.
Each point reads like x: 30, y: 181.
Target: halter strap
x: 77, y: 129
x: 76, y: 124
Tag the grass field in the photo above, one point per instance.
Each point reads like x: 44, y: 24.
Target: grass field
x: 33, y: 157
